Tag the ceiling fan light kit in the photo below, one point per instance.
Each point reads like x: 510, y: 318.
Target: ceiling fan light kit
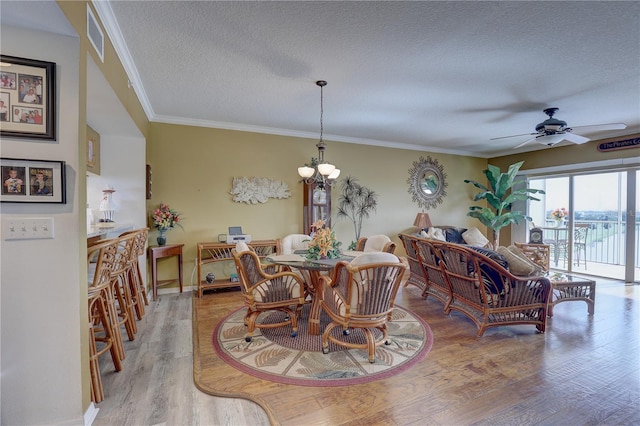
x: 552, y: 131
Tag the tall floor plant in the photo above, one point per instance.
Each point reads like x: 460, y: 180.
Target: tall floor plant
x: 356, y: 202
x: 500, y: 196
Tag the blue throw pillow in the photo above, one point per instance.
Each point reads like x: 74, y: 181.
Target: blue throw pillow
x: 492, y: 279
x: 454, y: 235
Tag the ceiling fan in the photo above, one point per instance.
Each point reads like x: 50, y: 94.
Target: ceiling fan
x: 553, y: 131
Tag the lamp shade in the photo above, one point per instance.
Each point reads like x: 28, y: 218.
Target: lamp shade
x: 422, y: 221
x: 326, y: 169
x: 334, y: 174
x: 306, y: 172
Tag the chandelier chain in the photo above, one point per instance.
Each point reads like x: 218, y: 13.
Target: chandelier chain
x: 321, y: 111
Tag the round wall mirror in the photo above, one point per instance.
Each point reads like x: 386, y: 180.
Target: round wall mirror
x: 427, y: 182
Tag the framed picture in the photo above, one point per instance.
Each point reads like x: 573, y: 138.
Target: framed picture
x: 32, y: 181
x: 27, y: 98
x: 93, y: 151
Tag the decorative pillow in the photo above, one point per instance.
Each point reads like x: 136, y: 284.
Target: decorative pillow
x: 537, y: 269
x: 474, y: 237
x: 517, y: 266
x: 492, y: 279
x: 454, y: 235
x: 435, y: 234
x: 493, y: 255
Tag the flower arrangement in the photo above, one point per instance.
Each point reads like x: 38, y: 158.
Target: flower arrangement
x: 559, y: 214
x: 323, y: 243
x: 165, y: 218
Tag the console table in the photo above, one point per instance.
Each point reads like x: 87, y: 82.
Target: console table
x: 160, y: 252
x: 221, y: 252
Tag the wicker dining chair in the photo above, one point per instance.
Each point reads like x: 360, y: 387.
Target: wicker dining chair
x: 361, y: 294
x: 376, y: 243
x: 292, y: 242
x: 281, y: 291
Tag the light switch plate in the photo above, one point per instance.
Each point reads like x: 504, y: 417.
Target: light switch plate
x: 27, y: 228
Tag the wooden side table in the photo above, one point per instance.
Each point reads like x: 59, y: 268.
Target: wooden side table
x: 160, y: 252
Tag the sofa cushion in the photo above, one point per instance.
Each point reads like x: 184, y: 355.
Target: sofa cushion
x: 474, y: 237
x: 537, y: 269
x: 517, y: 265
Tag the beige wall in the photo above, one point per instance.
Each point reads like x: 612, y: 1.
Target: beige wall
x: 193, y: 170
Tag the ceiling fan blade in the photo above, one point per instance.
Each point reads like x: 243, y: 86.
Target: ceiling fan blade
x: 525, y: 142
x: 600, y: 127
x: 571, y: 137
x: 513, y: 136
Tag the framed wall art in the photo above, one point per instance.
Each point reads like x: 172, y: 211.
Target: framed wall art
x: 27, y: 98
x: 32, y: 181
x: 93, y: 151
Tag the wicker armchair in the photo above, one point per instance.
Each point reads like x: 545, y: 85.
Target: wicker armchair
x: 434, y: 276
x: 376, y: 243
x: 281, y: 291
x: 489, y: 294
x: 361, y: 294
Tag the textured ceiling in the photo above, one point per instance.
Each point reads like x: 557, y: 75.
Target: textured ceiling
x: 438, y: 76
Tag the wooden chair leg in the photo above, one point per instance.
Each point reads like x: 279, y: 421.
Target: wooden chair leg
x: 134, y: 289
x: 143, y: 290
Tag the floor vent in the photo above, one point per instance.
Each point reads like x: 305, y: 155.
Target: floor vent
x: 95, y: 34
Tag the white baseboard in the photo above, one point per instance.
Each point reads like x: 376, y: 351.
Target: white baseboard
x: 91, y: 414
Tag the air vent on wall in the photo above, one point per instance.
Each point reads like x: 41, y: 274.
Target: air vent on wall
x: 94, y: 33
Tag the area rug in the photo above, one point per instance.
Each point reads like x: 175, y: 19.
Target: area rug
x: 276, y: 356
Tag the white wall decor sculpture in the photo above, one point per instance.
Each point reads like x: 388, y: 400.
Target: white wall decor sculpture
x: 258, y: 190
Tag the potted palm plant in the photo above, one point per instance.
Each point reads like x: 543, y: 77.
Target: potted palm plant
x: 500, y: 197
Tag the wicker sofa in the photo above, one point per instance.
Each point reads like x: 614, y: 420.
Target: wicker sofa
x: 479, y: 287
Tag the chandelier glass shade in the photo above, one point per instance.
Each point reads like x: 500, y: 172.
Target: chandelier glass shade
x: 319, y: 171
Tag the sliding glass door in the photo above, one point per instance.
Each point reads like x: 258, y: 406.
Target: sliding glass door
x: 590, y: 222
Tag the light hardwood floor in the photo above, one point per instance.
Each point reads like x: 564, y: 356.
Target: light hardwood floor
x: 155, y: 386
x: 583, y: 370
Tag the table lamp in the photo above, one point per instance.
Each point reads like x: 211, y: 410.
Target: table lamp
x: 422, y: 221
x: 106, y: 205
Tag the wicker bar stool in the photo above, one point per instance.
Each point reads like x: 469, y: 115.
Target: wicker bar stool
x: 121, y: 287
x: 136, y: 283
x: 102, y: 256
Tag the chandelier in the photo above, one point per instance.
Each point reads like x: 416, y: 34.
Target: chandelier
x: 319, y: 171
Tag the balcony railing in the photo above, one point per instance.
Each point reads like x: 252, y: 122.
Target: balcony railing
x: 605, y: 242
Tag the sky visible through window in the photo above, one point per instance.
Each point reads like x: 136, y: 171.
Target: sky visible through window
x: 602, y: 192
